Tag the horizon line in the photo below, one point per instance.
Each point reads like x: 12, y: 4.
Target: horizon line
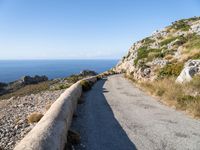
x: 61, y: 59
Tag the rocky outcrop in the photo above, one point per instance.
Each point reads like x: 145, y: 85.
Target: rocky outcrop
x: 88, y: 73
x: 191, y: 68
x: 26, y: 80
x: 159, y: 54
x: 32, y: 80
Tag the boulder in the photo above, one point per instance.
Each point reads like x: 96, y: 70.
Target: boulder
x: 191, y: 68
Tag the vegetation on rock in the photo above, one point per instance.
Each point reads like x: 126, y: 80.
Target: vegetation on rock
x: 171, y: 70
x: 156, y: 61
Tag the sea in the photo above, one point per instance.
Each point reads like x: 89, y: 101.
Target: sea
x: 11, y: 70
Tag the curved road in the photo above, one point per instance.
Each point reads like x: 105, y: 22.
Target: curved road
x: 118, y: 116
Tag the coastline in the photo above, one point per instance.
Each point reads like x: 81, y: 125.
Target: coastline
x: 14, y: 69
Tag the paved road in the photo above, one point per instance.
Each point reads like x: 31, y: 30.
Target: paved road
x: 118, y: 116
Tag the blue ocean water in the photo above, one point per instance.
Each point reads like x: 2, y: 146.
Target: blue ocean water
x: 11, y: 70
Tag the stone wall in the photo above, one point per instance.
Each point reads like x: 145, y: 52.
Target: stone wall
x: 51, y: 131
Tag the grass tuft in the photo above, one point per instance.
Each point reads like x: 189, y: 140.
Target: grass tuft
x: 34, y: 117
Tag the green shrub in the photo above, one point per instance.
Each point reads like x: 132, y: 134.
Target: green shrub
x: 167, y: 41
x: 181, y: 25
x: 154, y: 53
x: 63, y: 86
x: 149, y: 54
x: 73, y: 78
x: 86, y: 85
x: 192, y: 19
x: 147, y: 41
x: 171, y: 70
x: 142, y: 53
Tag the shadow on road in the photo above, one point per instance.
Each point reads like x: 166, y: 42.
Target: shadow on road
x: 97, y: 124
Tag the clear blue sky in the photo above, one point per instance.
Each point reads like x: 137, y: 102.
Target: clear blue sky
x: 83, y: 29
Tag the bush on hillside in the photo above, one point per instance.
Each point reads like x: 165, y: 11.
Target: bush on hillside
x: 171, y: 70
x: 181, y: 25
x: 147, y: 41
x: 167, y: 41
x: 142, y: 53
x: 145, y: 54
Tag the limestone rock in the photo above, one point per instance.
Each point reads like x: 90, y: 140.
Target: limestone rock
x: 172, y: 45
x: 191, y: 68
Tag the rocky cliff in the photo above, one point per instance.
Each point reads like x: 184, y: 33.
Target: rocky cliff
x: 165, y: 53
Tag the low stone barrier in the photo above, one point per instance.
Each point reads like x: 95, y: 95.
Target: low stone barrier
x: 50, y: 133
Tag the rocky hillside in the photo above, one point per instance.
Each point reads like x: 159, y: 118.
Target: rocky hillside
x: 165, y: 52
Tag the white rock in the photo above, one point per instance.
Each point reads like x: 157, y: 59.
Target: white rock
x: 196, y: 27
x: 191, y: 68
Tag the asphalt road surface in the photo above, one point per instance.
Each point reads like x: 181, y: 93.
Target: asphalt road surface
x: 116, y: 115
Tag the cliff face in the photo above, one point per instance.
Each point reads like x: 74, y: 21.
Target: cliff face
x: 164, y: 53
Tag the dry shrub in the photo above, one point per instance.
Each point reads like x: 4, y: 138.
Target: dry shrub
x: 183, y: 96
x: 195, y: 82
x: 166, y: 88
x: 194, y: 108
x: 190, y: 101
x: 168, y: 57
x: 34, y: 117
x: 99, y: 77
x: 86, y: 85
x: 190, y: 54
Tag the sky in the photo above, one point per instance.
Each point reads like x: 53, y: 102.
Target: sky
x: 83, y: 29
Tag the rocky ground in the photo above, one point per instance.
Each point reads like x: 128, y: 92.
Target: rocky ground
x: 14, y: 112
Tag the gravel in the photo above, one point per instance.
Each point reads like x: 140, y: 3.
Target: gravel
x: 116, y: 115
x: 13, y: 114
